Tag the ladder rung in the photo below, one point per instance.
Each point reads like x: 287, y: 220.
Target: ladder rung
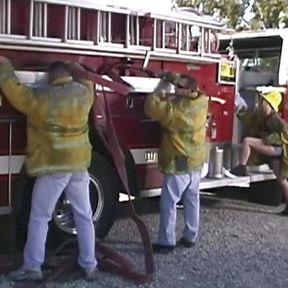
x: 127, y: 32
x: 163, y: 34
x: 187, y: 38
x: 109, y: 28
x: 132, y: 30
x: 202, y: 42
x: 137, y: 31
x: 179, y: 37
x: 98, y: 27
x: 31, y: 21
x: 78, y: 23
x: 154, y: 41
x: 208, y: 41
x: 5, y: 16
x: 8, y: 16
x: 38, y: 23
x: 66, y: 21
x: 73, y: 18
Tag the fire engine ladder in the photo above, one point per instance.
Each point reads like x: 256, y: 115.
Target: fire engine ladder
x: 172, y: 36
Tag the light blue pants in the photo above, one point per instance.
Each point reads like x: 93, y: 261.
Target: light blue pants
x: 174, y: 188
x: 46, y: 192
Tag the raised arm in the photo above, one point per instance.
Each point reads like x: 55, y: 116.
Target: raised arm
x: 158, y: 107
x: 20, y: 96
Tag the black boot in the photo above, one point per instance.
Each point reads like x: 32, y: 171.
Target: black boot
x: 183, y: 242
x: 240, y: 170
x: 159, y: 248
x: 285, y: 211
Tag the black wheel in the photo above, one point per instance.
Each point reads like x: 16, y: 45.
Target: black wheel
x: 21, y: 208
x: 266, y: 193
x: 104, y: 188
x: 131, y: 173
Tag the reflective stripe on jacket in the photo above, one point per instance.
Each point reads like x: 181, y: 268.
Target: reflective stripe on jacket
x: 57, y: 117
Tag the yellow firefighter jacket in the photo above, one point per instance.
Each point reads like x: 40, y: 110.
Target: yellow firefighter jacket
x: 183, y: 121
x: 57, y: 117
x: 273, y: 130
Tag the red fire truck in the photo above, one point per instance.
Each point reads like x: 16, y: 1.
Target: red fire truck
x: 118, y: 43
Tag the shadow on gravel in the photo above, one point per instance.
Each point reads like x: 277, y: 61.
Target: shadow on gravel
x: 152, y: 205
x: 126, y: 246
x: 225, y: 198
x: 246, y: 209
x: 142, y: 206
x: 209, y: 201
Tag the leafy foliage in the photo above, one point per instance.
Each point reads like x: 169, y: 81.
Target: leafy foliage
x: 265, y: 13
x: 272, y: 13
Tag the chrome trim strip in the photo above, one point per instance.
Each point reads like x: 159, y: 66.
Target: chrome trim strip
x: 6, y: 210
x: 216, y: 183
x: 208, y: 183
x: 16, y: 164
x: 262, y: 177
x: 123, y: 197
x: 95, y: 50
x: 150, y: 193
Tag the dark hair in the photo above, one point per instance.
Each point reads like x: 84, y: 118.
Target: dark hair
x: 191, y: 82
x: 58, y: 67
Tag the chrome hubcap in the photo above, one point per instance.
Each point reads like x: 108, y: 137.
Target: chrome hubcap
x: 63, y: 215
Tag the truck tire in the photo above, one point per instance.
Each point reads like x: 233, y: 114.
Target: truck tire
x: 21, y: 203
x: 104, y: 188
x: 266, y: 193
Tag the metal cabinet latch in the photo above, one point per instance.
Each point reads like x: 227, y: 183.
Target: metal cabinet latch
x: 130, y: 102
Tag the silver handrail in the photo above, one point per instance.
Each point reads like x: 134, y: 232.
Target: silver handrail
x: 9, y: 164
x: 10, y: 121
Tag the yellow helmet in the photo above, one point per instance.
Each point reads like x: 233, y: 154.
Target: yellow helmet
x: 274, y: 98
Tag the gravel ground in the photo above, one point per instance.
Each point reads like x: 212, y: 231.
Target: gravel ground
x: 240, y: 245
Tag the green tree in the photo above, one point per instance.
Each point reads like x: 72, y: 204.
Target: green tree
x: 272, y: 13
x: 230, y: 10
x: 267, y: 13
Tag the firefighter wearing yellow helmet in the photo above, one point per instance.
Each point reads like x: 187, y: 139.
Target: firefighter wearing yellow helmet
x: 270, y: 139
x: 274, y: 99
